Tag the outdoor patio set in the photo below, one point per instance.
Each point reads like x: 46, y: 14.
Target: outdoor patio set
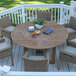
x: 19, y: 34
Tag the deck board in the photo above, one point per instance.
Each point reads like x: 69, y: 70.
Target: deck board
x: 18, y: 52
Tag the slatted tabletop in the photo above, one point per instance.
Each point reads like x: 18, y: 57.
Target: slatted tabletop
x: 22, y: 36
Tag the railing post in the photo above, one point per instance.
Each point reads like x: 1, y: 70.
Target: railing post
x: 61, y: 12
x: 72, y: 8
x: 23, y: 12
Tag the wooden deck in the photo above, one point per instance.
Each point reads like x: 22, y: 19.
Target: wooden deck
x: 18, y: 52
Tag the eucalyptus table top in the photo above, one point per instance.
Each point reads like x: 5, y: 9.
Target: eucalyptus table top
x: 23, y: 37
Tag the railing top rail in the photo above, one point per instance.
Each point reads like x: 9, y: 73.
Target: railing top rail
x: 11, y: 10
x: 41, y: 5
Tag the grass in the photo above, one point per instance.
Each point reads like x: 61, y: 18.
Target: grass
x: 11, y: 3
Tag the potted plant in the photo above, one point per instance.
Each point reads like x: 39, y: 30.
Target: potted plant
x: 39, y: 23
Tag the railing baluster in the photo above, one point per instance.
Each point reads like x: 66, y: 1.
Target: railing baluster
x: 51, y: 14
x: 64, y: 16
x: 18, y: 16
x: 32, y: 14
x: 15, y: 17
x: 12, y: 18
x: 35, y: 13
x: 45, y: 9
x: 67, y: 15
x: 26, y: 15
x: 55, y: 15
x: 42, y: 9
x: 29, y: 14
x: 9, y: 15
x: 58, y: 16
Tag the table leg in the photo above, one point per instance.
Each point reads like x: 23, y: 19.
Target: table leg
x: 53, y: 55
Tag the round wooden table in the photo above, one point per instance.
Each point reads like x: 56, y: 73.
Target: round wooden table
x: 22, y: 36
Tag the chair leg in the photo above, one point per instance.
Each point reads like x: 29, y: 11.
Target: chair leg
x: 12, y: 60
x: 25, y: 49
x: 11, y: 42
x: 75, y: 67
x: 59, y: 64
x: 1, y: 36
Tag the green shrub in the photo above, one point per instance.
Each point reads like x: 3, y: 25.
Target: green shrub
x: 39, y: 21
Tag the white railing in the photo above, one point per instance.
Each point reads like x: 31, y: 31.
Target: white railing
x: 65, y: 14
x: 14, y: 13
x: 74, y: 8
x: 31, y: 11
x: 60, y: 13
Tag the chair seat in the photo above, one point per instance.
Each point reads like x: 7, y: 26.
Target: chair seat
x: 3, y: 46
x: 37, y: 57
x: 70, y: 50
x: 69, y: 29
x: 10, y: 28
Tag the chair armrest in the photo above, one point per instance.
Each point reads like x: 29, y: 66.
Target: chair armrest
x: 66, y: 25
x: 65, y: 54
x: 5, y: 33
x: 71, y: 43
x: 2, y: 40
x: 9, y: 48
x: 72, y: 35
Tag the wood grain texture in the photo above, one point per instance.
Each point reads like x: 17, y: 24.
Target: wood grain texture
x: 21, y: 36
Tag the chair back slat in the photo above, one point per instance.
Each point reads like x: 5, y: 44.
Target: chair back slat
x: 45, y: 15
x: 5, y: 22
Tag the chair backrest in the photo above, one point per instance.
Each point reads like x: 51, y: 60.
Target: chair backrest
x: 73, y: 22
x: 2, y: 40
x: 35, y: 63
x: 45, y: 15
x: 5, y: 22
x: 71, y: 43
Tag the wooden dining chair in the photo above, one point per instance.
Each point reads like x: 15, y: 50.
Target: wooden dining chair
x: 68, y: 53
x: 71, y: 28
x: 6, y: 27
x: 5, y: 50
x: 45, y: 15
x: 35, y: 63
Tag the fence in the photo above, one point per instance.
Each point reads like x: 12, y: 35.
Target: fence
x: 60, y: 13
